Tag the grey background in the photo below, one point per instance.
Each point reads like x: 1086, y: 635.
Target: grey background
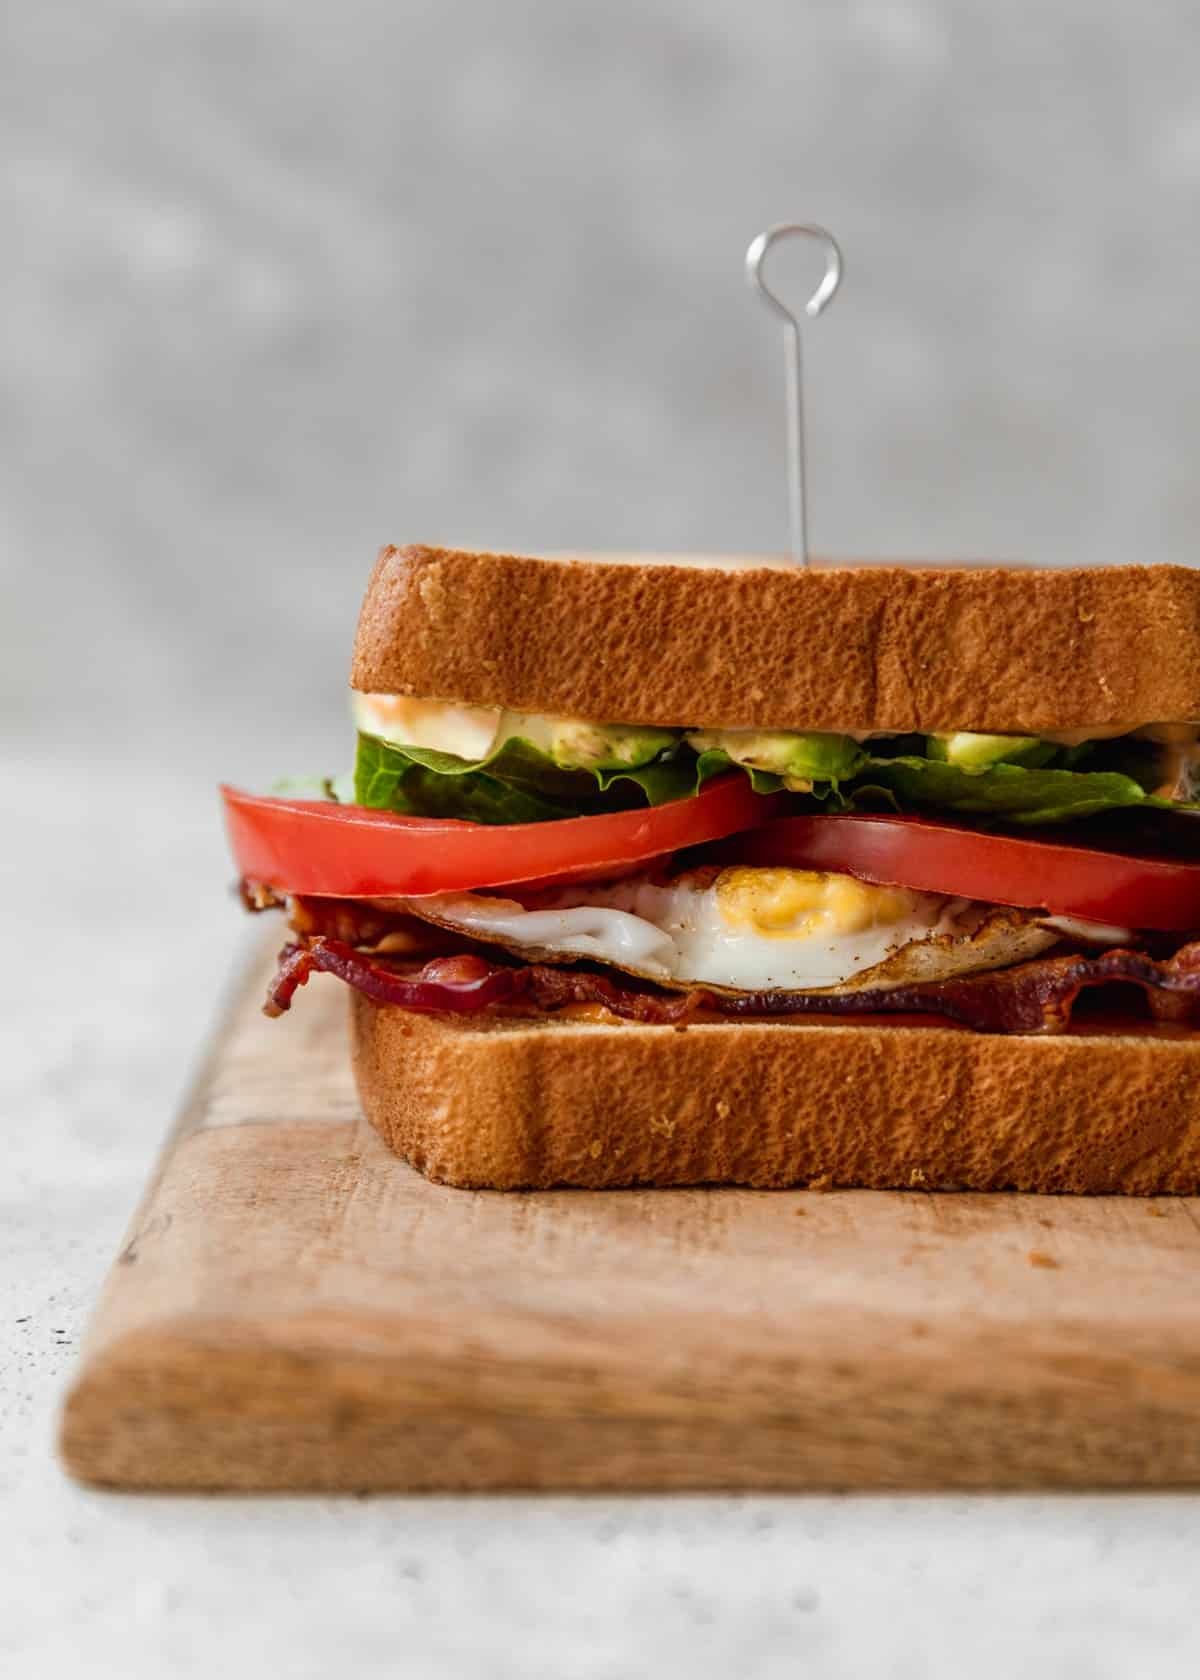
x: 282, y: 281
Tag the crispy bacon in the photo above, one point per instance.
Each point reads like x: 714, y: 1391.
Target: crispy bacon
x: 1034, y: 997
x: 457, y: 985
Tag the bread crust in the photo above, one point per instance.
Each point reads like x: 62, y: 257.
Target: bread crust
x: 529, y: 1104
x: 753, y: 645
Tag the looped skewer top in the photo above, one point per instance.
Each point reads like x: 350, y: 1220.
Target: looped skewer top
x: 831, y: 280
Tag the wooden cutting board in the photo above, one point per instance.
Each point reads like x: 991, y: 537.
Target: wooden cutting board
x: 295, y: 1308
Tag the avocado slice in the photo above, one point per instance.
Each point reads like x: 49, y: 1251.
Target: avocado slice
x: 573, y: 744
x: 980, y: 752
x: 800, y: 759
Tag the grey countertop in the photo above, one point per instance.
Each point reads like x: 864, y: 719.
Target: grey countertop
x: 285, y: 282
x: 105, y: 1017
x: 124, y: 936
x: 109, y: 985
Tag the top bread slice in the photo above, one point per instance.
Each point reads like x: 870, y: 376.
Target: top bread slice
x: 757, y: 644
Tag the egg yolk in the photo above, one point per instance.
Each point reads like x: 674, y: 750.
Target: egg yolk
x: 797, y: 903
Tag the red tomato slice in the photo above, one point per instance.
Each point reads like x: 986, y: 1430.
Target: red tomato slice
x: 1133, y: 892
x: 316, y: 848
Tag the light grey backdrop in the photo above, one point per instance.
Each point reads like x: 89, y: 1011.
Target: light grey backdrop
x: 286, y: 280
x: 282, y: 280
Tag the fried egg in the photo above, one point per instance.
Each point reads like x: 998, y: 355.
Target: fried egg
x: 754, y: 930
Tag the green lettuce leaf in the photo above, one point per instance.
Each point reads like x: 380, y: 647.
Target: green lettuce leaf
x: 387, y: 779
x: 518, y: 783
x: 1008, y: 791
x: 715, y: 761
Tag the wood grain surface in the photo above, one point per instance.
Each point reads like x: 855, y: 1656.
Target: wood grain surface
x: 295, y: 1308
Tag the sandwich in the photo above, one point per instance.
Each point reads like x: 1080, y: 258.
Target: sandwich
x: 715, y: 871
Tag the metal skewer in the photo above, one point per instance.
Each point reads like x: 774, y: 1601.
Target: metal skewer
x: 797, y: 503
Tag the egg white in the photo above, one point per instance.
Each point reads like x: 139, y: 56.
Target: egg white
x: 796, y: 931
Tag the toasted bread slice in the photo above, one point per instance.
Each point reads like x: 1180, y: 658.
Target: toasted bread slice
x: 528, y: 1104
x: 743, y: 644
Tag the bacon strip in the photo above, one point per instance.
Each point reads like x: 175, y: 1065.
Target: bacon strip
x: 456, y: 985
x: 1034, y: 997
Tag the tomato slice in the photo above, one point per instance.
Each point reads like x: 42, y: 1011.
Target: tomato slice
x: 1133, y: 892
x: 317, y: 848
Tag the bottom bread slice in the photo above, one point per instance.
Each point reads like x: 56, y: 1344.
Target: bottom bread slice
x: 527, y: 1104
